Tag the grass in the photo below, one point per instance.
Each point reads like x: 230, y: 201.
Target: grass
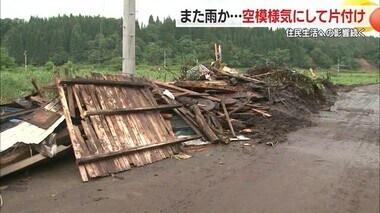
x: 16, y: 83
x: 345, y: 77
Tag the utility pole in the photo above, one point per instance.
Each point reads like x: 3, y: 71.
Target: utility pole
x: 129, y: 19
x: 26, y: 61
x: 165, y: 59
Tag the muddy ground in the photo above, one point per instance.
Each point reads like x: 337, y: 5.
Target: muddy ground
x: 332, y: 166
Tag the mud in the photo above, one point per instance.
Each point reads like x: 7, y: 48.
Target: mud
x: 332, y: 166
x: 291, y: 99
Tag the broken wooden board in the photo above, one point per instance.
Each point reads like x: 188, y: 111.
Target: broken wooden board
x: 174, y: 88
x: 238, y: 76
x: 110, y: 142
x: 204, y: 85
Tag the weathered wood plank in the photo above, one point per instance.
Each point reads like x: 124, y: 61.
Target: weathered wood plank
x: 222, y: 102
x: 133, y: 123
x: 205, y: 128
x: 37, y: 88
x: 204, y: 85
x: 104, y: 98
x: 106, y: 140
x: 133, y: 110
x: 89, y: 159
x: 179, y: 89
x: 102, y: 82
x: 70, y: 98
x: 155, y: 124
x: 74, y: 141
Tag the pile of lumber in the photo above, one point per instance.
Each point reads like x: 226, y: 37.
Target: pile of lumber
x: 219, y: 108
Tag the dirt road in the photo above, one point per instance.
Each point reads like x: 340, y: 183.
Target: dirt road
x: 330, y: 167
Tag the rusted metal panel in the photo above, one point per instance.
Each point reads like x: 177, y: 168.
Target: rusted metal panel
x: 43, y: 118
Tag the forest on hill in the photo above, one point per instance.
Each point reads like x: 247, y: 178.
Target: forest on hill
x: 98, y: 40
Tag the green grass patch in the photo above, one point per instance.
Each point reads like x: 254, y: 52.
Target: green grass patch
x: 348, y: 77
x: 16, y: 82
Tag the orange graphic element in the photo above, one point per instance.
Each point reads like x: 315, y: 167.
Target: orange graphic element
x: 374, y: 19
x: 362, y: 3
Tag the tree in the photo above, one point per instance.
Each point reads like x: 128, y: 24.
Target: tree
x: 60, y: 58
x: 279, y: 57
x: 5, y: 60
x: 321, y: 59
x: 77, y: 44
x: 95, y: 39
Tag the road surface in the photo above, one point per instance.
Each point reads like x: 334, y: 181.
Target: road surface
x: 330, y: 167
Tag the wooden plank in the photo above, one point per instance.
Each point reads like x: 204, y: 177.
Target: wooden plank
x: 261, y: 112
x: 89, y: 169
x: 74, y: 141
x: 106, y: 140
x: 181, y: 112
x: 204, y: 85
x: 105, y: 126
x: 102, y: 82
x: 28, y: 162
x: 205, y: 128
x: 38, y: 89
x: 89, y: 159
x: 138, y: 131
x: 168, y: 131
x: 155, y: 123
x: 79, y: 100
x: 159, y: 127
x: 222, y: 102
x: 70, y: 98
x: 130, y: 110
x: 179, y: 89
x: 240, y: 77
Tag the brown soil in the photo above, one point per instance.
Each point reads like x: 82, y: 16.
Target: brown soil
x: 291, y: 99
x: 365, y: 66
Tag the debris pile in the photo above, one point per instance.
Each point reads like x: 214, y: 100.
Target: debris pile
x: 116, y: 122
x: 31, y: 131
x: 261, y: 104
